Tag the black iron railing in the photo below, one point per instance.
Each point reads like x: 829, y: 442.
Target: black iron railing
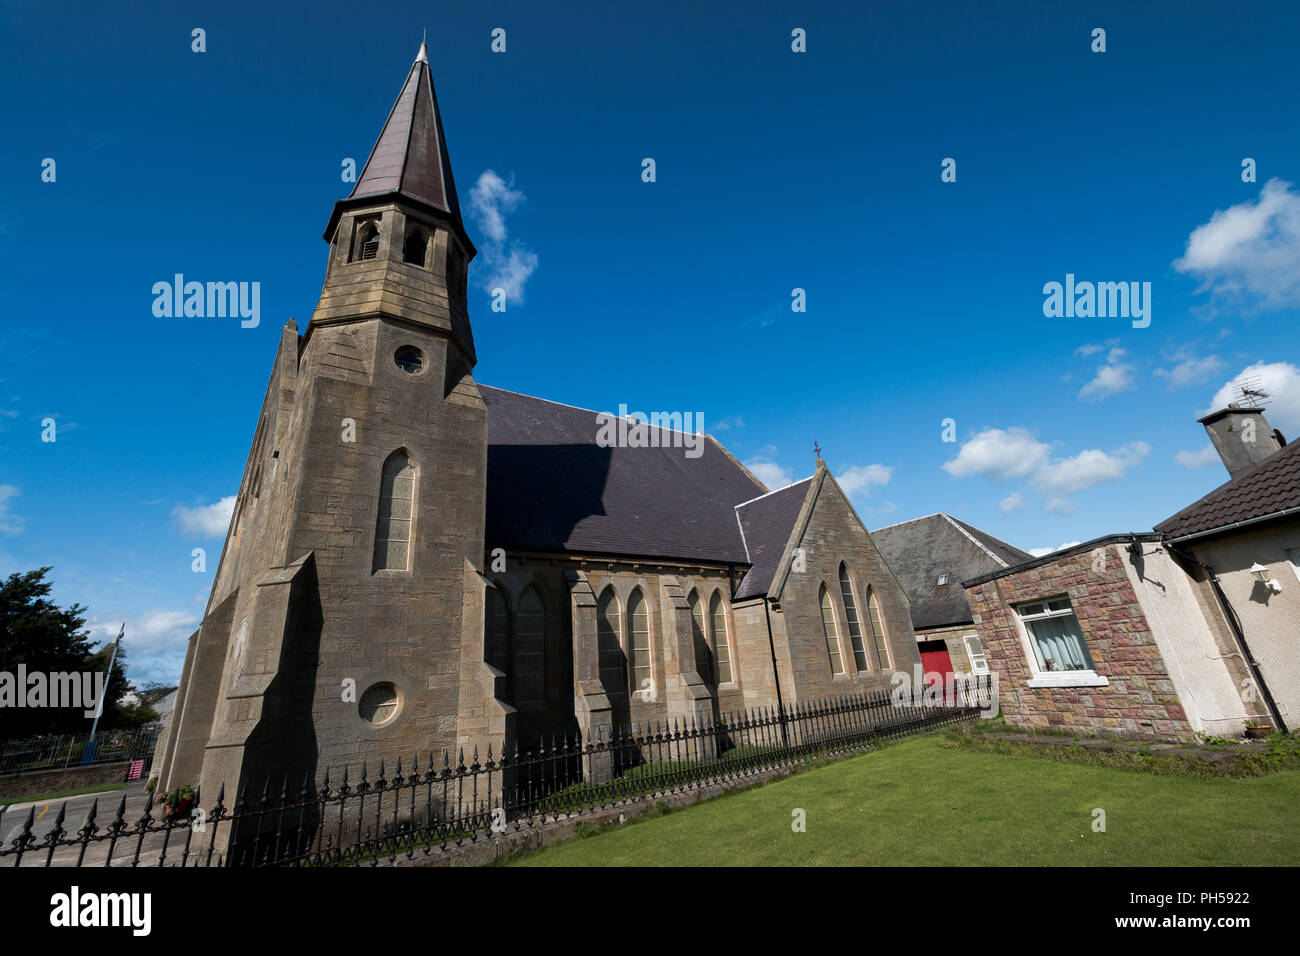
x: 433, y: 805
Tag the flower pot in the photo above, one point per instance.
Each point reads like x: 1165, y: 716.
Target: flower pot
x: 1258, y: 731
x: 181, y: 810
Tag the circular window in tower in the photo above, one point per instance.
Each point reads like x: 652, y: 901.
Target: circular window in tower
x: 379, y: 704
x: 409, y: 359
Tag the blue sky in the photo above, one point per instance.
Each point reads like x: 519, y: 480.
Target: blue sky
x: 775, y: 170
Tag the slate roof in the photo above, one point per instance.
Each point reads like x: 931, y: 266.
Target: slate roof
x: 551, y: 487
x: 410, y: 157
x: 919, y: 551
x: 766, y: 524
x: 1271, y: 486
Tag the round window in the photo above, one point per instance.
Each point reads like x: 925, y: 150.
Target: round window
x: 379, y: 704
x: 409, y: 359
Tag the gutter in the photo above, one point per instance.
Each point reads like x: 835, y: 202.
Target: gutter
x: 1234, y: 623
x: 1236, y: 524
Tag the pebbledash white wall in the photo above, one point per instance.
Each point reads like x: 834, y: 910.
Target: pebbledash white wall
x: 1195, y: 663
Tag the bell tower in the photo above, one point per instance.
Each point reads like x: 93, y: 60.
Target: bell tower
x: 398, y: 246
x: 346, y: 618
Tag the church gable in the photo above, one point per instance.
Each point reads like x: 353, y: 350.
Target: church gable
x: 844, y: 618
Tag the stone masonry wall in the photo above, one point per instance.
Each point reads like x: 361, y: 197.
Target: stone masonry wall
x: 1138, y: 701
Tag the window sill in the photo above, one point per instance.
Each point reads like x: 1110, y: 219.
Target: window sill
x: 1069, y: 679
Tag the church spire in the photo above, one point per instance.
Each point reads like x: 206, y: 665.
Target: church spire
x: 409, y: 160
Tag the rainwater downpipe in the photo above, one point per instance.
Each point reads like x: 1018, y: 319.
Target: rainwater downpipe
x: 1235, y: 624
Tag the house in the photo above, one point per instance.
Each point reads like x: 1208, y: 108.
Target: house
x: 1191, y: 628
x: 931, y: 556
x: 419, y: 562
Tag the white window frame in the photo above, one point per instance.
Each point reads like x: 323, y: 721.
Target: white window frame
x: 1042, y: 678
x: 982, y: 667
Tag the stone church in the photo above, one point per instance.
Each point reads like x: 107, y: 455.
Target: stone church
x: 417, y: 561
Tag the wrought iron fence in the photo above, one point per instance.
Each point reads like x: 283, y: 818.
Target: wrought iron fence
x: 75, y: 750
x: 433, y: 805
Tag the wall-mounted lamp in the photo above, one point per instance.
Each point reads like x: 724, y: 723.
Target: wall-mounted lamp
x: 1261, y: 575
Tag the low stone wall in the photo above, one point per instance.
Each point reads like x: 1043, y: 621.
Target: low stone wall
x: 35, y: 782
x: 499, y: 847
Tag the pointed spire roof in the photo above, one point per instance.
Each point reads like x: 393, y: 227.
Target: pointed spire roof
x: 410, y: 160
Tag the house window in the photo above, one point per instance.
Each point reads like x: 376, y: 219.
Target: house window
x: 855, y: 626
x: 830, y: 632
x: 979, y: 664
x: 396, y: 507
x: 613, y: 663
x: 703, y: 653
x: 1055, y: 636
x: 1294, y: 555
x: 722, y: 648
x: 877, y: 628
x: 529, y: 665
x: 639, y: 639
x: 496, y: 631
x: 943, y: 579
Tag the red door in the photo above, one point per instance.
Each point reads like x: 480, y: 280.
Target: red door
x: 936, y: 663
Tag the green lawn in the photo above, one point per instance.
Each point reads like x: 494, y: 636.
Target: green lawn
x: 924, y: 802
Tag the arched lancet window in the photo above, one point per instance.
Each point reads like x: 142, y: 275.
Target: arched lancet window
x: 613, y: 663
x: 721, y: 645
x: 396, y: 508
x: 368, y: 241
x: 415, y: 247
x: 638, y: 616
x: 877, y: 628
x: 854, y: 625
x: 529, y: 665
x: 496, y: 631
x: 831, y: 632
x: 703, y: 653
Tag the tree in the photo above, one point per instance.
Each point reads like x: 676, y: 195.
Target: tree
x: 46, y: 638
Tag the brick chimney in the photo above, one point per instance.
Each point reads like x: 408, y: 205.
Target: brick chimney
x: 1241, y: 436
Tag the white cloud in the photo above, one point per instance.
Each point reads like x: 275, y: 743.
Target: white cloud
x: 770, y: 473
x: 1092, y: 348
x: 1013, y: 502
x: 1115, y: 376
x: 155, y: 641
x: 1192, y: 369
x: 999, y: 454
x: 861, y: 477
x: 208, y: 521
x: 509, y: 263
x: 1195, y: 460
x: 1039, y: 552
x: 1250, y: 251
x: 1088, y: 468
x: 10, y: 523
x: 1282, y: 382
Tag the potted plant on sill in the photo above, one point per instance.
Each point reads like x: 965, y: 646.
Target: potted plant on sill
x: 178, y: 802
x: 1257, y: 730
